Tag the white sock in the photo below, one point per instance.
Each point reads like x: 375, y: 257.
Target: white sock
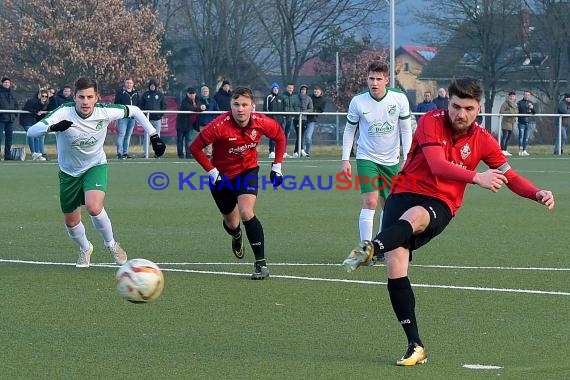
x: 77, y: 234
x: 366, y: 223
x: 380, y: 222
x: 102, y: 224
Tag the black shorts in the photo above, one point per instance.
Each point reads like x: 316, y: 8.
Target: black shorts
x: 398, y: 204
x: 226, y: 194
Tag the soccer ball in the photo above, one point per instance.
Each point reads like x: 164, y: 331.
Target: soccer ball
x: 139, y: 281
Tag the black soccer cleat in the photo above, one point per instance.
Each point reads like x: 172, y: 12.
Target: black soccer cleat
x: 238, y: 247
x: 260, y: 273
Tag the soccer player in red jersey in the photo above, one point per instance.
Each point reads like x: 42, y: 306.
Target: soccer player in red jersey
x: 446, y: 149
x: 234, y: 170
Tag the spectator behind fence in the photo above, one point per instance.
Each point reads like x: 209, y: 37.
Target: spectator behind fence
x: 7, y: 102
x: 274, y: 103
x: 291, y: 103
x: 186, y: 124
x: 526, y: 106
x: 442, y: 101
x: 126, y: 95
x: 153, y: 100
x: 508, y: 122
x: 306, y: 105
x: 206, y: 104
x: 224, y: 96
x: 426, y: 105
x: 563, y: 109
x: 37, y: 106
x: 319, y: 104
x: 65, y: 95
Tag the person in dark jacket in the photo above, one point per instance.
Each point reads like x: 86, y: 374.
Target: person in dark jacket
x: 37, y: 108
x: 65, y: 95
x: 425, y: 106
x: 7, y: 102
x: 274, y: 103
x: 224, y: 96
x: 206, y: 104
x: 526, y: 106
x: 127, y: 95
x: 442, y: 101
x: 153, y: 100
x: 186, y: 123
x: 319, y: 104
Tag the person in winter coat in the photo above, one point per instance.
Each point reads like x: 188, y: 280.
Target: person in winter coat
x: 274, y: 103
x: 37, y: 106
x: 508, y: 122
x: 186, y: 123
x: 153, y: 100
x: 127, y: 95
x: 7, y: 102
x: 306, y: 105
x: 224, y: 96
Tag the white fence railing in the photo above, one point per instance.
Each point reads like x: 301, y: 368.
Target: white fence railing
x: 333, y: 123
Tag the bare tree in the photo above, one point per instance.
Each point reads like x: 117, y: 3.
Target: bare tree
x: 297, y: 28
x: 551, y: 18
x: 53, y: 43
x: 481, y: 33
x: 217, y: 40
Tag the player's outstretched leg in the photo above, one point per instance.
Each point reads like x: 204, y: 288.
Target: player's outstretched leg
x: 360, y: 255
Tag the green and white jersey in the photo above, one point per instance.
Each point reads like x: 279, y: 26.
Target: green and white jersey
x: 81, y: 146
x: 378, y: 121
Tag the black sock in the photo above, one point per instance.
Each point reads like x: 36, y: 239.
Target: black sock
x: 404, y: 304
x: 234, y: 233
x: 254, y: 232
x: 397, y: 235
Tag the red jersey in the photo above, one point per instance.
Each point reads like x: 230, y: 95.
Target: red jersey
x: 456, y: 163
x: 234, y: 147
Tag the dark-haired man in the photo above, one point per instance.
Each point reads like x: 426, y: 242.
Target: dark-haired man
x: 81, y: 130
x: 446, y: 149
x: 234, y: 170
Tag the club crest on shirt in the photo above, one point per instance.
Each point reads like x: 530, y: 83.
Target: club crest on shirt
x: 392, y: 109
x: 253, y: 134
x: 465, y: 151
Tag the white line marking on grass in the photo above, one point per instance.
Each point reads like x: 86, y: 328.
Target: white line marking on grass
x: 382, y: 265
x: 364, y: 282
x: 481, y: 366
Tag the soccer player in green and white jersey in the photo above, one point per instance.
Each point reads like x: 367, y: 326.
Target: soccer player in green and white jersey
x: 82, y: 127
x: 383, y: 116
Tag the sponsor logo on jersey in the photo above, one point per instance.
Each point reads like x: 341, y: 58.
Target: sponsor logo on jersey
x: 84, y: 141
x: 242, y: 148
x: 379, y: 128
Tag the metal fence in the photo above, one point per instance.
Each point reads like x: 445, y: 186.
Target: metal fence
x: 544, y: 128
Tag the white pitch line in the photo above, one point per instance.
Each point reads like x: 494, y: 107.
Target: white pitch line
x: 364, y: 282
x: 382, y: 265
